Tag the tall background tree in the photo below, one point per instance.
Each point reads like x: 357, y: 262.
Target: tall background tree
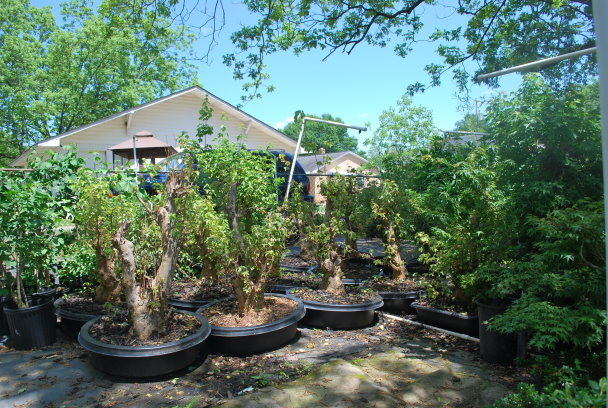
x: 55, y: 76
x: 403, y: 130
x: 321, y: 135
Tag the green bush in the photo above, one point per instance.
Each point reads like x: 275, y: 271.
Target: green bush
x: 592, y: 396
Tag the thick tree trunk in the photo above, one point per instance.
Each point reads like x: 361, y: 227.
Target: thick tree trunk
x: 109, y: 285
x: 306, y: 249
x: 147, y: 298
x: 253, y: 298
x: 332, y: 273
x: 392, y: 256
x: 143, y: 319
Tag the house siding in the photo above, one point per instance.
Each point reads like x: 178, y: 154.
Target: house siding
x: 167, y: 120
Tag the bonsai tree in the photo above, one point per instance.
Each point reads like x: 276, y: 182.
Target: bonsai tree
x: 385, y: 207
x: 125, y: 226
x: 98, y: 214
x: 146, y: 280
x: 472, y: 229
x: 204, y: 236
x: 339, y: 192
x: 243, y: 188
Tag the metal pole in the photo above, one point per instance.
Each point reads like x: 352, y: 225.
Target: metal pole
x: 295, y: 155
x: 135, y: 155
x: 600, y: 13
x: 537, y: 64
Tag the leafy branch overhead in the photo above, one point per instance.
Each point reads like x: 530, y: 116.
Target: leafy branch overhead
x: 497, y: 34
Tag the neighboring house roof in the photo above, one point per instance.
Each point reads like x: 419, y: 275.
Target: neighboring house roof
x: 313, y: 163
x: 195, y: 90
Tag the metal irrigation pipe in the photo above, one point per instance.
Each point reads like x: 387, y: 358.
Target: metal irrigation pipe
x: 537, y: 64
x: 426, y: 326
x: 295, y: 155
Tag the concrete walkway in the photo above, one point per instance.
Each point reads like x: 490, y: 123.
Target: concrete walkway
x: 395, y: 378
x: 389, y: 364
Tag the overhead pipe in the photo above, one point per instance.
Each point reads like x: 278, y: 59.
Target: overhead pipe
x: 536, y: 64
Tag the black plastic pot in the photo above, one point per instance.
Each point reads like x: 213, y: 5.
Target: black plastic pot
x: 145, y: 361
x: 399, y: 302
x: 3, y: 322
x: 44, y: 296
x: 496, y: 347
x: 191, y: 305
x: 280, y: 289
x: 243, y: 341
x: 32, y: 326
x: 309, y: 269
x: 71, y: 322
x: 353, y: 282
x: 340, y: 317
x: 444, y: 319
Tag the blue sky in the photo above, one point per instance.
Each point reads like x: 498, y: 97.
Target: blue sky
x: 355, y: 87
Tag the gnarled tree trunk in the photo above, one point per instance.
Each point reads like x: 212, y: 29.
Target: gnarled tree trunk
x: 146, y: 297
x: 332, y: 273
x: 109, y: 285
x: 392, y: 256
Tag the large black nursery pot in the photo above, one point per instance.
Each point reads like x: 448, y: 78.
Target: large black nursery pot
x: 32, y: 326
x: 339, y: 316
x: 447, y: 320
x: 399, y: 302
x: 145, y: 361
x: 190, y: 305
x: 243, y: 341
x: 71, y: 322
x: 496, y: 347
x: 3, y: 322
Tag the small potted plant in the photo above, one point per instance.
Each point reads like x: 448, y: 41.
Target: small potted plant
x: 34, y: 224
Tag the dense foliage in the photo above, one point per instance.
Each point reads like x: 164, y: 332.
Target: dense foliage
x: 248, y: 230
x: 58, y: 75
x: 35, y: 221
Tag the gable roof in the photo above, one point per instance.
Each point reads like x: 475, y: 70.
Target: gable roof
x: 312, y: 163
x: 55, y: 141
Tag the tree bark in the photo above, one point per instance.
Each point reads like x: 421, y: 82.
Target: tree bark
x: 332, y: 273
x: 109, y: 285
x: 144, y: 320
x: 392, y: 255
x: 147, y: 299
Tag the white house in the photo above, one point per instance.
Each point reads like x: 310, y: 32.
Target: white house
x: 165, y: 118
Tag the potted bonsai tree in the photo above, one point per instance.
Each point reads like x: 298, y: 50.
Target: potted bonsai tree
x: 398, y: 288
x: 333, y: 305
x: 242, y: 186
x: 98, y: 212
x: 147, y: 247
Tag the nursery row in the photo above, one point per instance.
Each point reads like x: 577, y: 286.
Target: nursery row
x: 512, y: 221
